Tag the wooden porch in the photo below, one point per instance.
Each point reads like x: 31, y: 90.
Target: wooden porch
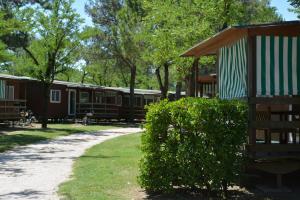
x: 97, y: 110
x: 274, y: 134
x: 207, y: 86
x: 11, y: 109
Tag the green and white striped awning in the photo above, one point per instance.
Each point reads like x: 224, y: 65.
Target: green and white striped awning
x: 2, y: 89
x: 277, y: 65
x: 233, y: 70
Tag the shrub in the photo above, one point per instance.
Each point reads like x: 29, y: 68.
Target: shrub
x: 193, y: 143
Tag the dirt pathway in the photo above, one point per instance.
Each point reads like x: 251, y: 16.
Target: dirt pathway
x: 35, y: 171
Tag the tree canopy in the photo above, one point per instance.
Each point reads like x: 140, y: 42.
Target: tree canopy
x: 136, y: 42
x: 296, y: 5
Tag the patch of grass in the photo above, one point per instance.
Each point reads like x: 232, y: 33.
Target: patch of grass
x: 106, y: 171
x: 32, y: 135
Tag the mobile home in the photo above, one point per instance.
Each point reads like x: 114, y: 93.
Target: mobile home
x: 260, y: 64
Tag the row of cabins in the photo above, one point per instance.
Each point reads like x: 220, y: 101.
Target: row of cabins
x: 70, y: 100
x: 260, y: 64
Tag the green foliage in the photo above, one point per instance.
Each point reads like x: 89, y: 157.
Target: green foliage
x: 115, y: 24
x: 170, y: 27
x: 193, y: 143
x: 54, y: 37
x: 296, y: 5
x: 7, y: 26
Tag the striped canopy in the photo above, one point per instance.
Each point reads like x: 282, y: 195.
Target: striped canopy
x: 233, y: 70
x: 2, y: 89
x: 277, y: 65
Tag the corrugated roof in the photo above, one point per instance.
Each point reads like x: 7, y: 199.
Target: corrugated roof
x: 211, y: 45
x: 136, y: 91
x: 8, y: 76
x: 84, y: 85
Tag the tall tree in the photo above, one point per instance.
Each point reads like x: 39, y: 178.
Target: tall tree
x: 169, y: 27
x: 53, y: 40
x: 117, y: 22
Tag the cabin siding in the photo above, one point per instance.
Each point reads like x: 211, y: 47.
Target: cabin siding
x: 36, y: 101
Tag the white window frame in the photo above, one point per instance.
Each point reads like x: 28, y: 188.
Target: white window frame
x: 69, y: 103
x: 59, y: 96
x: 80, y: 99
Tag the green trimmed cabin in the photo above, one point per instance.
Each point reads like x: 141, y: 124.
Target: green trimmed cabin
x: 260, y: 64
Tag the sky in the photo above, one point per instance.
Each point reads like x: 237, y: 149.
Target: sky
x: 281, y: 5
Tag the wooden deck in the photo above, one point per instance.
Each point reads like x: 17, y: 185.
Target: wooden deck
x: 10, y: 109
x: 108, y: 111
x: 98, y: 110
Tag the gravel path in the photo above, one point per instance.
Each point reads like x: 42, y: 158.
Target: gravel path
x: 35, y: 171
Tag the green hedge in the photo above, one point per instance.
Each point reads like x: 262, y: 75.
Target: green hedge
x: 193, y: 143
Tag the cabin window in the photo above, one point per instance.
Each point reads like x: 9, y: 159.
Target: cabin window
x: 138, y: 101
x: 10, y: 92
x: 111, y: 98
x: 55, y: 96
x: 126, y: 100
x: 100, y: 97
x: 119, y: 100
x: 84, y: 97
x: 2, y: 89
x: 148, y: 101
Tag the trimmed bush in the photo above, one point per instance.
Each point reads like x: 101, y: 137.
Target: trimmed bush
x: 193, y: 143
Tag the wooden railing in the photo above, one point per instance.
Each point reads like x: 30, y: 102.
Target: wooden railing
x: 139, y: 112
x: 98, y: 110
x: 10, y: 109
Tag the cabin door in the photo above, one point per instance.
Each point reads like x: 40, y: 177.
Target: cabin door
x: 72, y: 102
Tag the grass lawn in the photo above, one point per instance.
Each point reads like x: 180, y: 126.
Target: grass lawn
x: 106, y: 171
x: 10, y: 139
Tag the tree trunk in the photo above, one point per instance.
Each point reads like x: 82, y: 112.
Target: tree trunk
x: 196, y: 78
x: 192, y: 78
x: 161, y: 87
x: 46, y: 95
x: 83, y: 76
x: 164, y: 87
x: 132, y: 85
x: 166, y: 73
x: 178, y: 90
